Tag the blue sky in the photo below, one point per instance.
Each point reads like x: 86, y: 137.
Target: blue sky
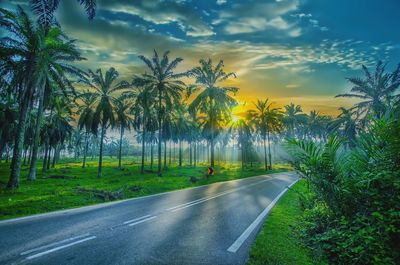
x: 289, y: 50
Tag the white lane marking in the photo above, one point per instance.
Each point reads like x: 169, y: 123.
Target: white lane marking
x: 136, y: 219
x: 239, y: 242
x: 185, y: 205
x: 142, y: 221
x: 53, y: 244
x: 60, y: 247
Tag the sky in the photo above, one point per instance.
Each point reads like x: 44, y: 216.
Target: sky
x: 296, y: 51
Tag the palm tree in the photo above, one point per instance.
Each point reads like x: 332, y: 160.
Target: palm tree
x: 346, y: 124
x: 105, y: 103
x: 45, y: 9
x: 55, y: 54
x: 124, y: 120
x: 167, y: 84
x: 144, y: 116
x: 19, y: 51
x: 267, y: 120
x: 292, y: 118
x: 376, y: 90
x: 213, y: 101
x: 85, y: 120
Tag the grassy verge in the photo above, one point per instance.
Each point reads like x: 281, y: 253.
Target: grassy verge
x: 277, y: 242
x: 49, y: 194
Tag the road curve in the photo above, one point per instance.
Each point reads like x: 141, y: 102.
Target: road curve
x: 213, y: 224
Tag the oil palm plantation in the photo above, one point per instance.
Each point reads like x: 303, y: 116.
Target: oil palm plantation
x: 166, y: 83
x: 214, y: 100
x: 105, y: 91
x: 293, y: 118
x: 376, y: 90
x: 267, y: 119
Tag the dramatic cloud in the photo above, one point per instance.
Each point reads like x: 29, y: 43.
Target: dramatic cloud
x: 162, y: 12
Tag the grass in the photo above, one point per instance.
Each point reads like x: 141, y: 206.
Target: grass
x: 47, y: 194
x: 277, y: 242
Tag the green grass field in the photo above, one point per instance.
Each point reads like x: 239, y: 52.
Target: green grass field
x: 49, y: 194
x: 277, y: 242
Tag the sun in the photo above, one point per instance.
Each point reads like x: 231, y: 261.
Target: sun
x: 235, y: 118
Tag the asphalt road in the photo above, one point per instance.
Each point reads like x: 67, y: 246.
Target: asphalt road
x: 213, y: 224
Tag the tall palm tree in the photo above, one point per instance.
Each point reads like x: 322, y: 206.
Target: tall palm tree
x: 376, y: 90
x: 45, y: 9
x: 214, y: 100
x: 267, y: 120
x: 346, y: 124
x: 124, y: 120
x: 167, y: 84
x: 85, y: 102
x: 293, y: 117
x: 56, y: 53
x: 19, y: 50
x: 105, y: 93
x: 143, y: 113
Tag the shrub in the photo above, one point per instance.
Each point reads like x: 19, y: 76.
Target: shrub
x: 354, y: 217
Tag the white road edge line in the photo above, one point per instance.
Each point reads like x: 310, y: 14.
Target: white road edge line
x: 242, y: 238
x: 142, y: 221
x: 136, y: 219
x: 53, y: 244
x: 192, y: 203
x: 60, y: 247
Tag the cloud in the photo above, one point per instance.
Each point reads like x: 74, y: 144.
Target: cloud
x: 258, y: 17
x: 162, y: 12
x: 221, y: 2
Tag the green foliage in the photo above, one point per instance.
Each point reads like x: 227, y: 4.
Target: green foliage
x: 354, y: 216
x: 278, y: 242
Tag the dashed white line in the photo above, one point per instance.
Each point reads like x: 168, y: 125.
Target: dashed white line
x: 186, y: 205
x: 136, y: 219
x: 53, y: 244
x: 60, y: 247
x: 142, y: 221
x: 239, y: 242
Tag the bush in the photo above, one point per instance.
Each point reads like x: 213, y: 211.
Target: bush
x: 354, y: 217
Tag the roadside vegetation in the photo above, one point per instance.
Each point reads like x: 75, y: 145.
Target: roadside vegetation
x: 352, y: 212
x: 279, y: 241
x: 71, y: 137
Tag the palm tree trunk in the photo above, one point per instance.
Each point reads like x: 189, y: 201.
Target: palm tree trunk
x: 170, y: 152
x: 49, y: 158
x: 180, y: 153
x: 39, y: 117
x: 120, y: 147
x: 269, y: 151
x: 151, y: 155
x: 46, y: 153
x: 195, y: 154
x: 13, y: 181
x: 165, y: 154
x: 54, y: 157
x: 85, y: 150
x: 159, y: 171
x: 190, y: 154
x: 143, y: 148
x: 100, y: 169
x: 265, y: 152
